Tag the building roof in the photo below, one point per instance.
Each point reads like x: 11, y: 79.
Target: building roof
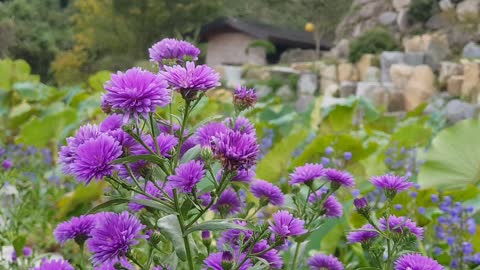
x: 275, y: 34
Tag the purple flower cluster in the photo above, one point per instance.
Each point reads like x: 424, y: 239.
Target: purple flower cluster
x: 187, y: 176
x: 54, y: 265
x: 77, y: 228
x: 285, y: 224
x: 416, y: 262
x: 362, y: 235
x: 391, y: 182
x: 136, y: 92
x: 89, y: 154
x: 176, y: 51
x: 324, y: 262
x: 244, y: 98
x: 400, y: 225
x: 267, y: 191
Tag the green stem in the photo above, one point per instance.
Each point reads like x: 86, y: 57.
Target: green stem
x: 295, y: 256
x: 183, y: 228
x: 135, y: 261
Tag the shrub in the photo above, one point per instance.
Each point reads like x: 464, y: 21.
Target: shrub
x: 374, y: 41
x: 421, y: 10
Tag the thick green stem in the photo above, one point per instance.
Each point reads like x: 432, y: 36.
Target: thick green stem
x: 183, y: 228
x: 295, y: 256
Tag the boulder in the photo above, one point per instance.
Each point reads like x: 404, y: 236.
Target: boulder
x: 413, y: 44
x: 446, y: 5
x: 387, y: 18
x: 363, y: 64
x: 447, y: 70
x: 346, y: 72
x: 420, y: 87
x: 285, y: 92
x: 263, y: 90
x: 328, y: 76
x: 435, y: 47
x: 300, y: 67
x: 471, y: 50
x: 400, y: 75
x: 438, y: 21
x: 307, y: 84
x: 255, y: 73
x: 471, y: 81
x: 414, y: 58
x: 468, y: 10
x: 457, y: 110
x: 403, y: 21
x: 342, y: 49
x: 331, y: 91
x: 396, y: 101
x: 454, y: 85
x: 347, y: 89
x: 374, y: 92
x: 387, y: 59
x: 368, y: 10
x: 401, y: 4
x: 373, y: 75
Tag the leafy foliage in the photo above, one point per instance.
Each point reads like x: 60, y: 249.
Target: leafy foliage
x: 421, y: 10
x: 373, y: 41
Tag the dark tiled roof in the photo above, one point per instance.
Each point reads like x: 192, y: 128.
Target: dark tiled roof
x: 277, y: 35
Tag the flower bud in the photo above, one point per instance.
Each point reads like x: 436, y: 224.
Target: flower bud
x: 206, y: 154
x: 206, y: 238
x: 361, y: 204
x: 227, y: 260
x: 244, y: 98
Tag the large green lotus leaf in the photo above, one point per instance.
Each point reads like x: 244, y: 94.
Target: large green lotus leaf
x: 97, y: 80
x: 453, y: 161
x: 12, y: 71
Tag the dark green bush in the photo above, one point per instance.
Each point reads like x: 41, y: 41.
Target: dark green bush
x: 421, y: 10
x: 373, y: 41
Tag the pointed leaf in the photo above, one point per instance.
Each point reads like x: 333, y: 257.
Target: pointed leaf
x: 215, y: 225
x: 170, y: 227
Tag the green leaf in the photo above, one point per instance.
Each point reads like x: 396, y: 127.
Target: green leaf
x: 19, y: 243
x: 191, y: 154
x: 276, y: 162
x: 131, y: 159
x: 81, y: 198
x: 170, y: 227
x: 108, y: 203
x: 412, y: 135
x: 341, y: 117
x: 155, y: 205
x: 215, y: 225
x: 97, y: 80
x: 453, y: 161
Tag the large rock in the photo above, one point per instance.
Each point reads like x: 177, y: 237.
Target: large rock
x: 263, y: 90
x: 471, y: 81
x: 471, y: 50
x: 387, y: 59
x: 307, y: 84
x: 342, y: 49
x: 403, y: 20
x: 396, y: 101
x: 446, y: 5
x: 447, y: 70
x: 420, y: 87
x: 387, y: 18
x: 438, y: 21
x: 457, y: 110
x: 347, y: 72
x: 468, y: 10
x: 454, y: 85
x: 328, y: 76
x: 331, y: 91
x: 401, y: 4
x: 373, y: 75
x: 363, y: 64
x: 401, y: 75
x: 347, y: 89
x: 368, y: 10
x: 374, y: 92
x: 285, y: 92
x: 435, y: 47
x: 414, y: 58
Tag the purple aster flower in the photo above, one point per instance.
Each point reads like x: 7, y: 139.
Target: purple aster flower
x: 205, y: 198
x: 347, y: 156
x: 94, y: 158
x: 360, y: 203
x: 365, y: 233
x: 328, y: 151
x: 324, y: 262
x: 207, y: 133
x: 416, y: 262
x: 233, y: 237
x: 170, y: 49
x: 59, y: 264
x: 285, y: 225
x: 187, y: 176
x: 244, y: 98
x: 399, y: 224
x: 391, y: 182
x: 27, y: 251
x: 111, y: 265
x: 306, y: 173
x: 333, y: 208
x: 228, y: 203
x: 112, y: 125
x: 325, y: 161
x: 67, y: 154
x: 191, y: 79
x: 244, y: 176
x: 274, y: 259
x: 7, y: 164
x: 113, y: 237
x: 136, y: 92
x: 217, y: 261
x: 236, y: 150
x: 267, y: 191
x: 166, y: 144
x: 241, y: 124
x: 339, y: 177
x: 77, y: 228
